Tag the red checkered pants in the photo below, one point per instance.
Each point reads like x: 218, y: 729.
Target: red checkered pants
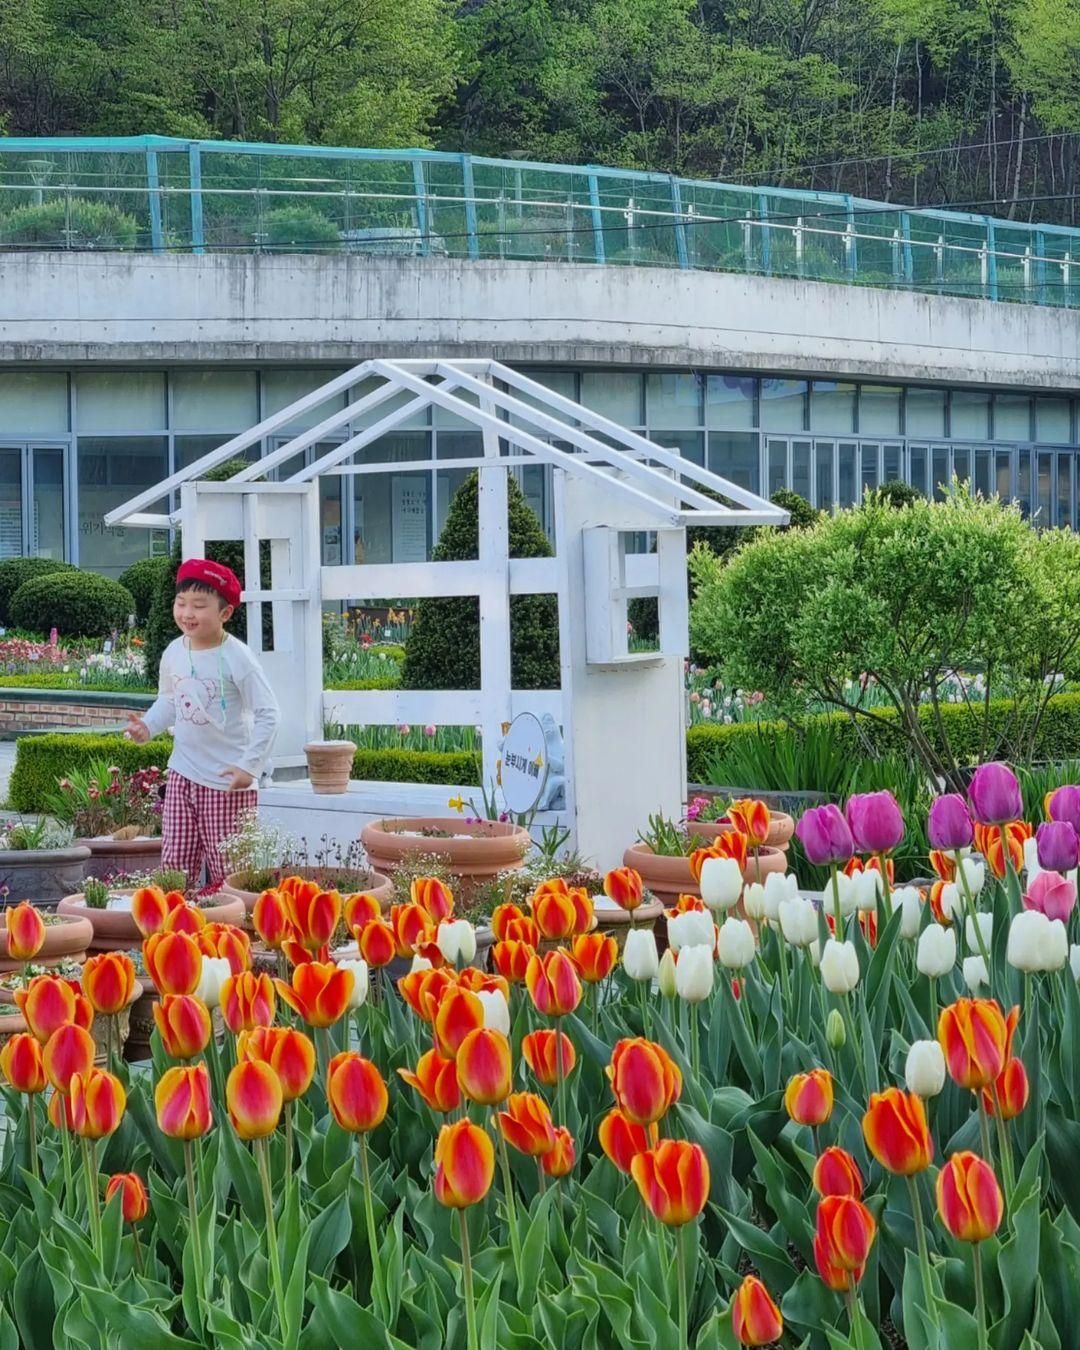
x: 195, y: 821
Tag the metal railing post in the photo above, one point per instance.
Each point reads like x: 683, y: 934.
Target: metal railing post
x: 153, y: 189
x: 766, y: 241
x: 991, y: 259
x: 850, y: 245
x: 1040, y: 267
x: 599, y: 254
x: 470, y: 206
x: 905, y: 233
x: 680, y: 225
x: 198, y: 240
x: 420, y: 188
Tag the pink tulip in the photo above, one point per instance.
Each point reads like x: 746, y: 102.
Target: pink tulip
x: 825, y: 836
x: 875, y: 821
x: 949, y: 826
x: 994, y: 794
x: 1051, y: 894
x: 1065, y: 805
x: 1057, y: 846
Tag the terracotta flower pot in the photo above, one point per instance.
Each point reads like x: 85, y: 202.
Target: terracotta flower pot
x: 43, y: 875
x: 669, y: 877
x: 380, y: 887
x: 11, y: 1024
x: 111, y: 857
x: 616, y: 922
x: 116, y: 931
x: 781, y: 828
x: 473, y: 852
x: 64, y: 941
x: 329, y: 765
x: 140, y: 1024
x: 115, y: 1026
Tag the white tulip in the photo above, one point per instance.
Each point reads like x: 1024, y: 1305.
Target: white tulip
x: 419, y: 963
x: 984, y: 923
x: 868, y: 886
x: 975, y: 973
x: 847, y: 893
x: 694, y: 973
x: 924, y: 1071
x: 952, y: 902
x: 721, y: 882
x: 1036, y: 943
x: 359, y: 969
x: 936, y: 953
x: 215, y: 971
x: 457, y: 942
x: 754, y: 901
x: 840, y: 966
x: 975, y: 870
x: 909, y: 902
x: 798, y: 921
x: 496, y: 1012
x: 693, y: 928
x: 641, y: 961
x: 735, y: 946
x: 1074, y: 961
x: 1031, y: 857
x: 779, y: 886
x: 665, y: 977
x: 1057, y: 952
x: 814, y: 953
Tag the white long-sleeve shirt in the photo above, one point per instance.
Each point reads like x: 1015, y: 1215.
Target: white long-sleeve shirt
x: 221, y: 708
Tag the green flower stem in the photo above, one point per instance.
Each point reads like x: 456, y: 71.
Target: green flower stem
x: 695, y: 1041
x: 31, y: 1125
x: 984, y: 1133
x: 920, y: 1242
x: 560, y: 1077
x: 140, y: 1264
x: 322, y: 1043
x: 93, y: 1205
x: 511, y: 1203
x: 378, y: 1284
x: 853, y: 1036
x: 980, y: 1296
x: 263, y: 1160
x: 785, y: 982
x: 201, y: 1291
x: 1005, y: 1149
x: 851, y: 1299
x: 886, y: 887
x: 969, y: 907
x: 65, y: 1145
x: 644, y: 995
x: 836, y: 903
x: 684, y: 1313
x: 467, y: 1281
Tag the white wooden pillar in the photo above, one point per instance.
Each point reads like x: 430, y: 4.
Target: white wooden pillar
x: 493, y: 553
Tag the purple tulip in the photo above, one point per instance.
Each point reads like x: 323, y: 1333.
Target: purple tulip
x: 824, y: 835
x: 949, y: 826
x: 1064, y: 804
x: 875, y: 822
x: 1051, y: 894
x: 994, y: 794
x: 1057, y: 846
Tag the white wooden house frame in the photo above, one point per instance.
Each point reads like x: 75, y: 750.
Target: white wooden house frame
x: 622, y: 713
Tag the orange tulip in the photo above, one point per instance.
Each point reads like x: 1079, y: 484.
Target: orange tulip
x: 1011, y: 1091
x: 68, y: 1052
x: 755, y: 1318
x: 224, y: 940
x: 752, y: 818
x: 458, y: 1013
x: 622, y: 1139
x: 526, y: 1124
x: 969, y: 1199
x: 60, y: 1112
x: 22, y: 1063
x: 360, y: 909
x: 296, y: 887
x: 183, y: 1023
x: 644, y: 1078
x: 84, y: 1012
x: 356, y: 1092
x: 837, y: 1173
x: 595, y: 955
x: 896, y: 1133
x: 554, y: 914
x: 150, y: 907
x: 553, y: 984
x: 254, y: 1099
x: 700, y: 856
x: 184, y: 919
x: 412, y: 925
x: 480, y: 982
x: 673, y: 1179
x: 685, y: 904
x: 108, y: 981
x: 541, y: 1049
x: 560, y: 1161
x: 501, y: 916
x: 976, y: 1037
x: 483, y: 1066
x: 846, y: 1230
x: 808, y: 1097
x: 46, y: 1003
x: 998, y: 842
x: 289, y: 1053
x: 511, y: 959
x: 247, y: 1001
x: 944, y: 864
x: 270, y: 919
x: 25, y: 932
x: 182, y: 1101
x: 134, y: 1203
x: 937, y: 904
x: 464, y: 1165
x: 319, y: 992
x: 377, y: 943
x: 625, y: 887
x: 433, y: 896
x: 422, y: 990
x: 522, y: 930
x: 435, y: 1079
x: 173, y: 961
x: 98, y: 1100
x: 315, y: 916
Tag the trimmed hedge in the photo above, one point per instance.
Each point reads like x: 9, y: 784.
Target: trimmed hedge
x: 70, y: 683
x: 142, y: 579
x: 41, y: 760
x: 77, y: 604
x: 15, y: 571
x: 452, y: 767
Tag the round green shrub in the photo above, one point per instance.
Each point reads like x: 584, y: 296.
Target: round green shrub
x: 14, y: 571
x: 896, y: 494
x: 77, y: 224
x: 142, y: 579
x: 443, y: 647
x: 78, y: 604
x: 300, y: 229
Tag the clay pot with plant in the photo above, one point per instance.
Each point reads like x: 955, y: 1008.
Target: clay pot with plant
x: 116, y: 815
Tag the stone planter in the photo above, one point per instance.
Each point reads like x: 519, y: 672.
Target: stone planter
x: 669, y: 877
x: 43, y: 875
x: 111, y: 857
x: 140, y: 1024
x: 64, y: 941
x: 377, y: 885
x: 794, y: 802
x: 116, y: 931
x: 11, y: 1024
x: 329, y: 764
x: 117, y: 1026
x: 611, y: 919
x: 781, y: 829
x: 473, y: 853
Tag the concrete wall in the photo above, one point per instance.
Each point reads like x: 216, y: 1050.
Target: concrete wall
x: 69, y: 308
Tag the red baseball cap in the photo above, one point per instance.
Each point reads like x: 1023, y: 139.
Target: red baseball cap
x: 216, y: 575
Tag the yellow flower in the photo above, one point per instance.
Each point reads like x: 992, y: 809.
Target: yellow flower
x: 456, y: 804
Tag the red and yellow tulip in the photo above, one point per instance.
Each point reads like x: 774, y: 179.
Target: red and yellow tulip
x: 435, y: 1079
x: 359, y: 910
x: 22, y: 1063
x: 46, y: 1004
x: 134, y: 1202
x: 173, y: 961
x: 541, y: 1051
x: 108, y: 981
x: 752, y: 818
x: 976, y: 1037
x: 553, y: 984
x: 226, y: 941
x: 896, y: 1132
x: 254, y: 1099
x: 183, y: 1023
x: 559, y: 1162
x: 68, y: 1052
x: 25, y: 932
x: 969, y: 1199
x: 644, y: 1078
x: 846, y: 1230
x: 837, y: 1173
x: 464, y: 1165
x: 755, y: 1318
x: 356, y: 1092
x: 377, y: 943
x: 98, y: 1100
x: 673, y: 1180
x: 289, y: 1053
x: 247, y: 1001
x: 319, y: 992
x: 622, y: 1139
x: 315, y: 915
x: 182, y: 1101
x: 595, y: 955
x: 511, y: 959
x: 433, y: 896
x: 270, y: 919
x: 150, y: 906
x: 184, y: 919
x: 526, y: 1124
x: 483, y: 1066
x: 808, y: 1097
x: 458, y: 1012
x: 625, y: 887
x: 1010, y: 1091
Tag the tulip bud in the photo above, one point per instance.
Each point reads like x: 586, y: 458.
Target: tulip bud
x: 640, y: 958
x: 974, y: 870
x: 907, y: 899
x: 975, y: 973
x: 457, y: 942
x: 134, y: 1203
x: 798, y: 921
x: 896, y: 1133
x: 839, y: 966
x: 982, y: 921
x: 182, y: 1101
x: 464, y: 1164
x: 673, y: 1180
x: 1036, y: 943
x: 949, y: 827
x: 694, y: 971
x: 969, y: 1199
x: 808, y: 1097
x: 1056, y: 846
x: 779, y: 886
x: 875, y: 821
x: 25, y: 932
x: 496, y: 1010
x: 936, y: 953
x: 755, y: 1318
x: 994, y: 795
x: 721, y: 883
x: 825, y: 836
x: 867, y: 886
x: 692, y: 928
x: 754, y: 904
x: 835, y: 1031
x: 846, y: 1229
x: 355, y: 1092
x: 1051, y: 894
x: 1074, y: 961
x: 526, y: 1124
x: 837, y: 1173
x: 666, y: 974
x: 924, y: 1071
x: 644, y: 1078
x: 215, y: 971
x: 735, y: 946
x: 484, y: 1070
x: 359, y: 969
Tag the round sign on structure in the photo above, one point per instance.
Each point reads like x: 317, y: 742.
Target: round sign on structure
x: 524, y: 767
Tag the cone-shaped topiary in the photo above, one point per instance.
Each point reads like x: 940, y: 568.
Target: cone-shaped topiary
x: 443, y: 648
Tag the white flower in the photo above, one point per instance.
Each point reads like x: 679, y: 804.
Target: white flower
x: 975, y: 870
x: 975, y: 973
x: 1031, y: 857
x: 640, y: 958
x: 665, y: 976
x: 867, y: 887
x: 735, y: 946
x: 984, y: 923
x: 754, y: 901
x: 848, y: 895
x: 359, y: 969
x: 814, y: 953
x: 721, y: 882
x: 936, y: 953
x: 419, y: 963
x: 1057, y: 952
x: 215, y: 971
x: 457, y: 942
x: 924, y: 1071
x: 908, y: 900
x: 952, y: 902
x: 840, y: 966
x: 779, y: 886
x: 1036, y: 943
x: 496, y: 1012
x: 694, y: 973
x: 693, y: 928
x: 798, y: 921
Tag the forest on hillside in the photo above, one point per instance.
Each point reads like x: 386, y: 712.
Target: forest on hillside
x: 969, y: 102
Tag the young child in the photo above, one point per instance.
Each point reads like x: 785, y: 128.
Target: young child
x: 224, y: 716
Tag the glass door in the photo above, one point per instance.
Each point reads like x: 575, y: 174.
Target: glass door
x: 331, y: 498
x: 32, y: 501
x: 12, y: 543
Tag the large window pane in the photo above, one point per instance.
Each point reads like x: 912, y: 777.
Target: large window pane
x: 1065, y: 491
x: 961, y: 463
x: 47, y: 520
x: 832, y: 407
x: 870, y: 477
x: 1003, y: 471
x: 969, y: 413
x: 214, y: 400
x: 11, y: 538
x: 1023, y: 481
x: 1046, y: 482
x: 848, y: 493
x: 879, y: 409
x: 391, y: 512
x: 117, y: 400
x: 800, y: 468
x: 736, y: 457
x: 924, y: 412
x: 939, y: 472
x: 1012, y: 417
x: 777, y: 466
x: 983, y: 461
x: 673, y: 400
x: 32, y: 402
x: 892, y: 463
x: 616, y: 394
x: 917, y: 455
x: 458, y: 444
x: 187, y: 449
x: 783, y: 405
x: 564, y: 382
x: 112, y: 469
x: 330, y: 499
x: 1052, y: 422
x: 729, y: 401
x: 690, y: 444
x: 282, y: 387
x: 823, y: 474
x: 536, y: 487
